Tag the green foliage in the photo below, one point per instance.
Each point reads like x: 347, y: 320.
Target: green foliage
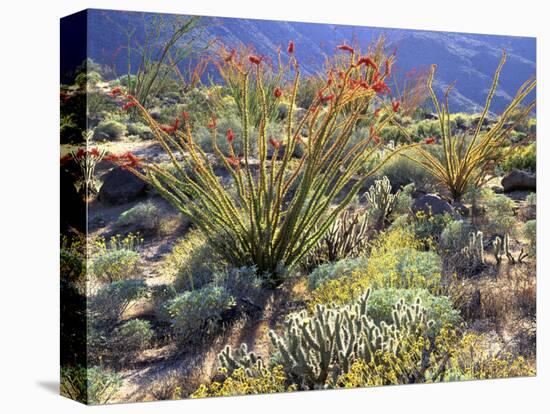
x: 197, y: 312
x: 240, y: 383
x: 191, y: 262
x: 140, y: 130
x: 109, y: 130
x: 521, y: 158
x: 115, y: 264
x: 335, y: 270
x: 111, y: 301
x: 394, y: 261
x: 500, y: 215
x: 439, y: 308
x: 145, y: 217
x: 72, y: 265
x: 132, y: 336
x: 93, y: 386
x: 530, y: 233
x: 160, y: 296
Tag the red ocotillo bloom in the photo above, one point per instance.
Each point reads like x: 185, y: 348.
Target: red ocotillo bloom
x: 234, y: 161
x: 277, y: 92
x: 65, y: 159
x: 213, y: 123
x: 274, y: 143
x: 185, y: 115
x: 230, y: 56
x: 387, y: 70
x: 373, y: 135
x: 94, y: 152
x: 326, y: 98
x: 380, y: 87
x: 377, y: 112
x: 115, y: 91
x: 366, y: 60
x: 395, y: 106
x: 255, y: 59
x: 80, y: 153
x: 430, y: 140
x: 290, y: 47
x: 346, y: 48
x: 230, y: 135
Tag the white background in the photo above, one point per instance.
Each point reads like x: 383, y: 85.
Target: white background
x: 29, y: 56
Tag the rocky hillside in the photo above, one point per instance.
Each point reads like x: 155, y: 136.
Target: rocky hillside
x: 468, y: 59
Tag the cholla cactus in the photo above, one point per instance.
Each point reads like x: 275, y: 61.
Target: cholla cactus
x: 345, y: 238
x: 501, y: 247
x: 382, y: 201
x: 316, y: 349
x: 231, y: 360
x: 475, y: 251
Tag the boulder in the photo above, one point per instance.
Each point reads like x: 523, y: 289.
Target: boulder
x: 432, y: 204
x: 121, y: 186
x: 519, y: 180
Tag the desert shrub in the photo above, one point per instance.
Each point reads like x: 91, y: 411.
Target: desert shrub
x: 191, y: 262
x: 112, y: 300
x: 132, y: 336
x: 500, y: 215
x: 531, y: 199
x: 439, y: 308
x: 90, y: 386
x: 140, y: 130
x: 197, y: 312
x: 109, y: 130
x: 160, y: 296
x: 521, y: 158
x: 72, y: 265
x: 425, y: 128
x: 381, y: 202
x: 404, y: 200
x: 334, y: 270
x: 394, y: 262
x: 167, y: 387
x: 241, y: 283
x: 115, y: 264
x: 530, y: 233
x: 241, y: 382
x: 454, y: 237
x: 427, y: 227
x: 402, y: 171
x: 145, y: 217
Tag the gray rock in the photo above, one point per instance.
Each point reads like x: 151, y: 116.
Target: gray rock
x: 121, y: 186
x: 432, y: 204
x: 519, y: 180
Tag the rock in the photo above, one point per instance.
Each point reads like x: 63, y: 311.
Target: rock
x: 461, y: 209
x: 430, y: 116
x: 519, y: 180
x: 121, y: 186
x: 432, y: 204
x: 155, y: 114
x: 497, y: 189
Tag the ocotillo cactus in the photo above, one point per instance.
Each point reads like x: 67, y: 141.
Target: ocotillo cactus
x: 381, y: 200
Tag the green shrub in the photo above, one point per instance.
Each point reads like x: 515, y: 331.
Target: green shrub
x: 89, y: 386
x: 242, y: 282
x: 439, y: 308
x: 329, y: 271
x: 197, y: 312
x: 160, y: 296
x: 140, y: 130
x: 521, y: 158
x: 72, y: 265
x: 530, y: 233
x: 112, y: 300
x: 109, y: 130
x: 115, y: 264
x: 144, y: 217
x: 500, y: 215
x: 132, y: 336
x: 454, y: 237
x: 191, y: 262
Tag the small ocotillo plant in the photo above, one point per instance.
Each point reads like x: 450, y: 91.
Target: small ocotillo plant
x: 468, y: 158
x: 283, y: 206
